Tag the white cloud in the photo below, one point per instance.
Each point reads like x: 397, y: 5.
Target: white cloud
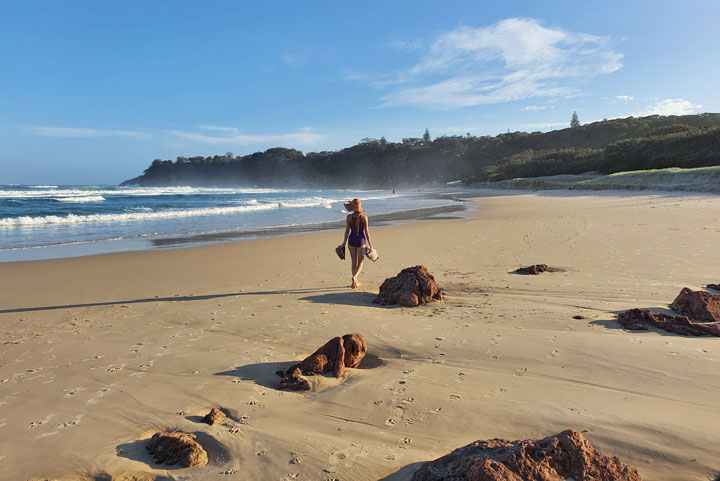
x: 296, y: 60
x: 537, y: 108
x: 540, y: 126
x: 668, y: 107
x: 625, y: 98
x: 233, y: 136
x: 219, y: 128
x: 511, y: 60
x: 45, y: 131
x: 404, y: 45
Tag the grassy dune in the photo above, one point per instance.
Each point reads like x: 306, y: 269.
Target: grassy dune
x: 702, y: 179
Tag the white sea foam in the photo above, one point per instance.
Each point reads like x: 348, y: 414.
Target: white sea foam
x: 80, y: 199
x: 309, y: 202
x: 48, y: 191
x: 138, y: 216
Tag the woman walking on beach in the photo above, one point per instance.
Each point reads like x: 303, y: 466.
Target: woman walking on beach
x: 357, y: 234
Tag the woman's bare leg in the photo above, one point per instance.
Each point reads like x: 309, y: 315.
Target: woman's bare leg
x: 358, y: 264
x: 353, y: 264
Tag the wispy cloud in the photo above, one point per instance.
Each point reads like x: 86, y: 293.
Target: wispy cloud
x: 233, y: 136
x: 511, y: 60
x: 295, y: 59
x: 541, y: 126
x: 625, y: 98
x: 403, y: 44
x: 45, y: 131
x: 668, y: 107
x: 537, y: 108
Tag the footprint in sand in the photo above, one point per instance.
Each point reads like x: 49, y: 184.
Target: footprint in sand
x: 454, y: 397
x: 148, y: 365
x: 69, y: 424
x: 398, y: 412
x: 35, y: 424
x: 337, y: 457
x: 554, y: 353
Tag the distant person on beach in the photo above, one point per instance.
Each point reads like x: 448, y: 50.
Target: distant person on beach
x: 357, y: 234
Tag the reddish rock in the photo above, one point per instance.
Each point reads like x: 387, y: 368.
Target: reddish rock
x: 412, y: 286
x: 214, y: 416
x: 534, y: 269
x: 294, y: 381
x: 567, y: 455
x: 177, y: 448
x: 337, y: 354
x: 697, y: 305
x: 636, y: 319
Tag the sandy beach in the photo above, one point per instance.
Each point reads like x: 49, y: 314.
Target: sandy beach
x: 100, y: 352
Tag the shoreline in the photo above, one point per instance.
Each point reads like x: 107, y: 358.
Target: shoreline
x: 151, y: 242
x: 102, y: 351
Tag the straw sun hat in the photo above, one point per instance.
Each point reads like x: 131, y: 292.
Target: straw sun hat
x: 354, y: 205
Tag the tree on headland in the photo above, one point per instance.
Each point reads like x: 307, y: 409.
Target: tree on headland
x: 633, y: 143
x: 574, y: 122
x: 426, y: 136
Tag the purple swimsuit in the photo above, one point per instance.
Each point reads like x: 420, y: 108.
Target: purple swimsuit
x: 357, y: 237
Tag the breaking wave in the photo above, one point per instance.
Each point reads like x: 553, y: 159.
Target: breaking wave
x: 80, y: 199
x: 168, y: 214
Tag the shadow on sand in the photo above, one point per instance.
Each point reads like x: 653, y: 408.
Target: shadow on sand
x: 171, y: 299
x: 261, y: 373
x: 265, y: 373
x: 351, y: 298
x: 403, y: 474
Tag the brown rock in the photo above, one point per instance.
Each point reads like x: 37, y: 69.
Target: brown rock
x: 412, y: 286
x: 713, y: 286
x: 214, y: 416
x: 636, y: 319
x: 697, y: 305
x: 534, y: 269
x: 337, y: 354
x: 555, y: 458
x: 177, y: 448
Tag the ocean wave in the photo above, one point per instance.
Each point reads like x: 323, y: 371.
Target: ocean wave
x: 49, y: 191
x: 308, y: 202
x: 80, y: 199
x: 86, y: 241
x: 129, y: 217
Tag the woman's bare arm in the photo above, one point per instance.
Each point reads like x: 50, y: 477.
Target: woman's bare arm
x: 367, y: 230
x: 347, y: 230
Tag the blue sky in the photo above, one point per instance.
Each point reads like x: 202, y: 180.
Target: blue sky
x: 91, y: 92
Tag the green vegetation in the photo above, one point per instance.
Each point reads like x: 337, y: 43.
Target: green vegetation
x: 606, y: 147
x: 574, y: 122
x: 701, y: 179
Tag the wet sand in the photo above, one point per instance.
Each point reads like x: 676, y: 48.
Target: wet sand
x: 100, y: 352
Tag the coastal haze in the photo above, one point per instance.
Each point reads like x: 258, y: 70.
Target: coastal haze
x: 175, y: 178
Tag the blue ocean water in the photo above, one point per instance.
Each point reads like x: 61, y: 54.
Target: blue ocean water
x: 47, y: 221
